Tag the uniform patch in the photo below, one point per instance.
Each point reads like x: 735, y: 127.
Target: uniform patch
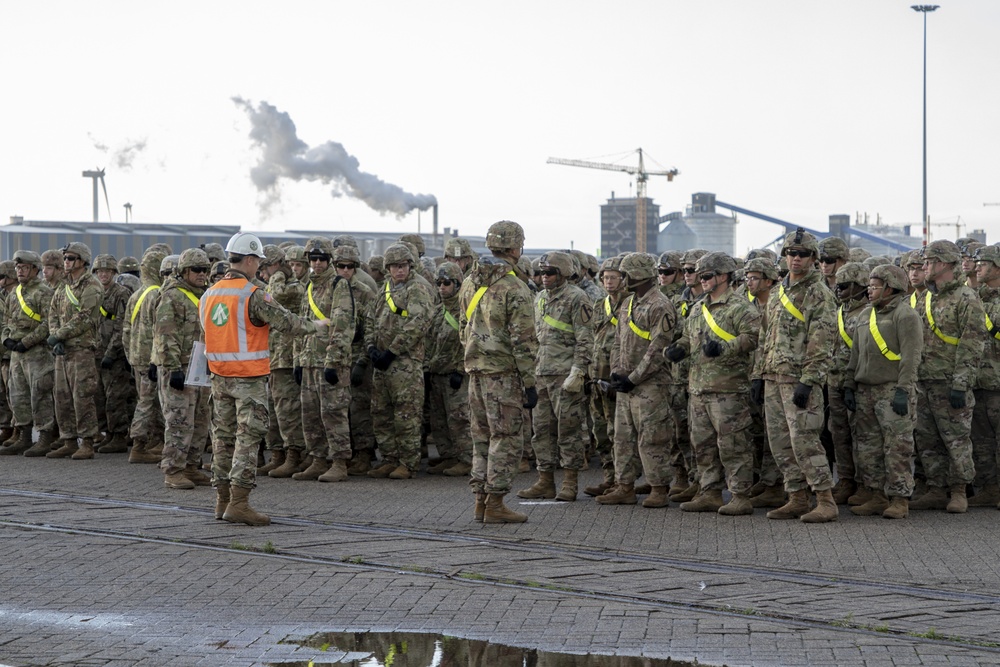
x: 220, y: 314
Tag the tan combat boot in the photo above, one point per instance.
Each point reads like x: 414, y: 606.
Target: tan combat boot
x: 619, y: 494
x: 67, y: 449
x: 239, y: 510
x: 116, y: 444
x: 771, y: 496
x: 934, y: 499
x: 140, y: 453
x: 293, y: 457
x: 643, y: 489
x: 8, y: 434
x: 843, y: 489
x: 797, y: 505
x: 988, y: 496
x: 277, y: 458
x: 198, y: 477
x: 709, y: 500
x: 441, y: 466
x: 21, y: 445
x: 602, y: 488
x: 739, y: 505
x: 460, y: 469
x: 383, y: 470
x: 43, y: 446
x: 155, y: 450
x: 899, y: 508
x: 313, y: 472
x: 826, y: 510
x: 177, y: 480
x: 878, y: 504
x: 687, y: 494
x: 496, y: 512
x: 221, y: 500
x: 567, y: 490
x: 958, y: 504
x: 304, y: 463
x: 361, y: 463
x: 545, y: 487
x: 337, y: 472
x: 679, y: 483
x: 401, y: 472
x: 657, y: 497
x: 861, y: 496
x: 479, y: 510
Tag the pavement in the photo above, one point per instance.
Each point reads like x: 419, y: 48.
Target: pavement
x: 101, y: 565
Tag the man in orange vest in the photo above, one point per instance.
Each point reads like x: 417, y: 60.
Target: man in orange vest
x: 237, y: 317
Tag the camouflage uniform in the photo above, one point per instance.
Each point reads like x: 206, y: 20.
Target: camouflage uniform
x: 7, y: 272
x: 986, y: 413
x: 602, y: 402
x: 115, y: 385
x: 31, y: 371
x: 286, y: 396
x: 137, y: 340
x: 360, y: 410
x: 685, y: 302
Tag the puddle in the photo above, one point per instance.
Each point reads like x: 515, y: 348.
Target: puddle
x: 400, y: 649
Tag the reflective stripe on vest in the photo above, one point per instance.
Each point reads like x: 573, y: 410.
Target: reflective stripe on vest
x: 789, y: 306
x: 632, y: 325
x: 312, y: 304
x: 913, y: 301
x: 450, y: 319
x: 843, y: 330
x: 951, y: 340
x: 26, y: 308
x: 477, y: 296
x: 608, y: 311
x: 551, y: 321
x: 989, y: 327
x: 392, y: 306
x: 138, y: 303
x: 234, y: 346
x: 714, y: 326
x: 106, y: 314
x: 72, y: 297
x: 877, y: 335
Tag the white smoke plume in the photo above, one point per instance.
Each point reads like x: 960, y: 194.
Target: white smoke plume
x: 123, y: 155
x: 284, y: 155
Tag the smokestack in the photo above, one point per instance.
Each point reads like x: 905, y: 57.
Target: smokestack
x: 435, y: 222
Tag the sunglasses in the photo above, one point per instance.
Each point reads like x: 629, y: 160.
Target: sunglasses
x: 688, y: 269
x: 826, y: 260
x: 666, y: 272
x: 549, y: 272
x: 199, y: 269
x: 843, y: 287
x: 799, y: 253
x: 444, y: 281
x: 346, y: 266
x: 705, y: 277
x: 70, y: 258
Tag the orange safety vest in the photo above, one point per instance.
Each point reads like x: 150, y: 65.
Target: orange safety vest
x: 234, y: 346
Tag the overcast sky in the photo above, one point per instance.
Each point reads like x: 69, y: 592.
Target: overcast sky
x: 795, y: 108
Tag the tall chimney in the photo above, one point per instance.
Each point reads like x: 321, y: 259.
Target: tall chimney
x: 435, y: 223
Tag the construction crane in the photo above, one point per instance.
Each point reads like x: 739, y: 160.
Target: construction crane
x: 641, y: 176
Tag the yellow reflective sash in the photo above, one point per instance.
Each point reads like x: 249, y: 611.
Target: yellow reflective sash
x: 609, y: 312
x: 789, y: 306
x: 750, y: 297
x: 450, y: 319
x: 843, y: 330
x: 72, y: 297
x: 551, y: 321
x: 26, y: 308
x: 105, y: 313
x: 684, y: 308
x: 632, y: 325
x: 189, y: 294
x: 951, y: 340
x: 714, y: 326
x: 877, y: 335
x: 989, y: 327
x: 392, y: 305
x: 477, y: 296
x: 913, y: 301
x: 312, y: 304
x: 138, y: 303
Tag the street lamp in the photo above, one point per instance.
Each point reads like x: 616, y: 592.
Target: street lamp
x: 925, y: 9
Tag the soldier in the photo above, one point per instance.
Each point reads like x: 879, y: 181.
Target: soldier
x: 913, y: 264
x: 394, y: 337
x: 986, y: 412
x: 643, y: 420
x: 185, y: 407
x: 797, y: 344
x: 348, y: 241
x: 498, y: 333
x: 969, y: 249
x: 833, y: 252
x: 458, y: 251
x: 128, y: 266
x: 52, y: 269
x: 218, y: 272
x: 31, y: 369
x: 8, y: 280
x: 722, y: 338
x: 236, y: 317
x: 669, y: 273
x: 880, y: 387
x: 585, y: 278
x: 563, y: 314
x: 376, y: 266
x: 858, y: 255
x: 214, y: 251
x: 74, y: 316
x: 273, y: 273
x: 115, y: 389
x: 954, y: 338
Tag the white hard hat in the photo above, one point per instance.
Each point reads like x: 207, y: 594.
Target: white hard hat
x: 243, y: 243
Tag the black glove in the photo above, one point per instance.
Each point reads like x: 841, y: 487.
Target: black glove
x: 373, y: 353
x: 59, y: 349
x: 9, y: 343
x: 850, y: 401
x: 712, y: 348
x: 455, y: 380
x: 330, y: 375
x: 675, y: 353
x: 384, y: 359
x: 20, y: 347
x: 957, y: 399
x: 107, y: 363
x: 801, y: 396
x: 757, y: 391
x: 151, y: 373
x: 297, y: 374
x: 52, y: 341
x: 530, y: 397
x: 177, y: 380
x: 357, y: 374
x: 900, y: 402
x: 621, y: 383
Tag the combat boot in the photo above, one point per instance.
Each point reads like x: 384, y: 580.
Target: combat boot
x: 114, y: 445
x: 402, y: 472
x: 771, y: 496
x: 709, y: 500
x: 679, y: 483
x: 643, y: 489
x: 293, y: 457
x: 524, y: 465
x: 156, y: 450
x: 13, y: 436
x: 383, y: 470
x: 460, y: 469
x: 140, y: 453
x: 826, y: 510
x: 479, y: 509
x: 441, y: 466
x: 313, y: 472
x: 277, y: 458
x: 878, y: 504
x: 198, y: 477
x: 861, y: 496
x: 988, y: 496
x: 361, y: 463
x: 899, y: 508
x: 21, y: 445
x: 221, y: 500
x: 757, y: 489
x: 687, y: 494
x: 545, y: 487
x: 843, y: 489
x: 958, y: 503
x: 934, y: 499
x: 619, y: 494
x: 567, y: 490
x: 657, y: 497
x: 239, y: 510
x: 797, y: 505
x: 43, y: 446
x: 600, y: 489
x: 496, y: 512
x: 304, y: 463
x: 68, y: 448
x: 177, y: 480
x: 337, y: 472
x: 738, y: 505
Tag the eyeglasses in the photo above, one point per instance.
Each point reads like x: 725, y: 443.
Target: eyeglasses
x: 346, y: 266
x: 753, y: 279
x: 688, y: 269
x: 549, y: 272
x: 825, y: 260
x: 444, y: 281
x: 199, y: 269
x: 666, y: 272
x: 70, y: 258
x: 705, y: 277
x: 874, y: 287
x: 799, y: 253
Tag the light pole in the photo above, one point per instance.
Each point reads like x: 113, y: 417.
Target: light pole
x: 925, y: 9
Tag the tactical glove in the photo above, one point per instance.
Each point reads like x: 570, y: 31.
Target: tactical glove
x: 622, y: 384
x: 357, y: 374
x: 801, y: 396
x: 384, y: 359
x: 455, y: 380
x: 957, y: 399
x: 757, y: 391
x: 573, y: 384
x: 9, y: 343
x: 712, y: 348
x: 59, y: 349
x: 530, y: 398
x: 675, y: 353
x: 330, y: 375
x: 151, y: 373
x: 107, y: 363
x: 850, y: 401
x: 177, y: 380
x: 900, y: 402
x: 20, y: 347
x: 373, y: 353
x: 52, y: 341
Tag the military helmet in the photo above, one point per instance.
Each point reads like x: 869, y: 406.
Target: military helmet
x: 557, y: 260
x: 892, y: 276
x: 318, y: 246
x: 802, y: 239
x: 52, y: 258
x: 295, y: 253
x: 986, y: 253
x: 611, y: 264
x: 28, y: 257
x: 505, y: 235
x: 765, y: 253
x: 165, y: 248
x: 285, y: 245
x: 943, y: 251
x: 193, y: 258
x: 763, y: 266
x: 245, y: 243
x: 272, y: 255
x: 130, y: 281
x: 638, y: 266
x: 105, y: 262
x: 858, y: 255
x: 719, y: 262
x: 692, y: 256
x: 853, y: 272
x: 7, y: 269
x: 344, y: 239
x: 398, y: 253
x: 151, y: 260
x: 876, y: 260
x: 219, y: 268
x: 911, y: 258
x: 169, y: 263
x: 450, y: 271
x: 128, y: 264
x: 457, y: 248
x: 834, y: 247
x: 428, y: 265
x: 970, y: 248
x: 964, y: 241
x: 524, y: 264
x: 77, y: 248
x: 417, y: 241
x: 377, y: 263
x: 534, y: 266
x: 592, y: 264
x: 213, y: 250
x: 347, y: 253
x: 671, y: 259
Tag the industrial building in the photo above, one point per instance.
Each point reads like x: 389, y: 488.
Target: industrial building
x: 700, y: 226
x: 618, y: 225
